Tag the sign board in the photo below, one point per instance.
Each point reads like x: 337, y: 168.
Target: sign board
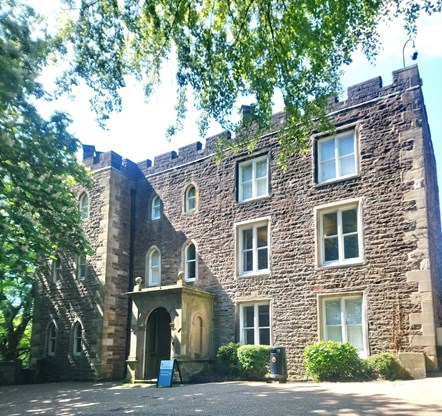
x: 166, y: 371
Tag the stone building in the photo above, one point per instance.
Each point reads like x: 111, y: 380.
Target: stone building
x: 190, y: 254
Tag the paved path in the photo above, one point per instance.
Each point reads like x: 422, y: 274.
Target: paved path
x: 411, y: 398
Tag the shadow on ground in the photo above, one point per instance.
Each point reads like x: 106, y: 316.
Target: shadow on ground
x: 219, y: 399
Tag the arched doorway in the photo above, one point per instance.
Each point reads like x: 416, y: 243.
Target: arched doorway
x: 158, y: 339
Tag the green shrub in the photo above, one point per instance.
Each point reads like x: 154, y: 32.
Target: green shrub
x: 330, y: 360
x: 384, y: 365
x: 254, y: 361
x: 227, y: 358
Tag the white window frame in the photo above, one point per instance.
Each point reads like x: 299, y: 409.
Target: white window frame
x: 256, y: 326
x: 77, y: 339
x: 81, y: 263
x: 239, y: 239
x: 83, y: 204
x: 188, y: 207
x: 155, y: 213
x: 337, y: 156
x: 150, y: 268
x: 56, y: 268
x: 51, y: 340
x: 322, y: 299
x: 253, y: 163
x: 187, y: 262
x: 339, y: 207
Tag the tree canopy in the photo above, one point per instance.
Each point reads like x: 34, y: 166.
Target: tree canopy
x: 230, y: 48
x: 38, y: 169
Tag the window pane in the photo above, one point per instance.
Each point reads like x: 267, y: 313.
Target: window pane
x: 246, y: 190
x: 264, y: 336
x: 330, y: 224
x: 351, y: 247
x: 191, y: 269
x: 155, y: 259
x: 263, y: 315
x: 347, y: 165
x: 249, y: 336
x: 353, y: 309
x: 247, y: 236
x: 331, y: 250
x: 246, y: 173
x: 191, y: 192
x: 334, y: 333
x: 262, y: 259
x: 155, y: 276
x: 261, y: 187
x: 191, y: 252
x: 327, y: 150
x: 349, y: 221
x: 262, y: 236
x: 248, y: 312
x: 248, y: 261
x: 333, y: 312
x: 261, y: 169
x: 354, y: 335
x: 328, y: 171
x: 346, y: 145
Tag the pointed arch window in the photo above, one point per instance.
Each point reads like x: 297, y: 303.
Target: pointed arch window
x: 190, y: 199
x: 153, y: 266
x: 190, y: 260
x: 84, y: 206
x: 51, y: 339
x: 156, y: 208
x: 77, y: 339
x: 56, y: 269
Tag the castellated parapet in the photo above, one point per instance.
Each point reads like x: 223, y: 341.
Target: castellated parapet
x: 372, y: 89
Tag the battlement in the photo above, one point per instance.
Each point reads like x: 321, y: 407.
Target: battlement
x: 403, y: 79
x: 96, y: 160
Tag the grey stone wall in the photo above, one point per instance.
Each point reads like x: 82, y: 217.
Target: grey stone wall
x: 399, y: 277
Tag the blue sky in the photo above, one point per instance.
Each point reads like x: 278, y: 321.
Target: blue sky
x: 138, y: 132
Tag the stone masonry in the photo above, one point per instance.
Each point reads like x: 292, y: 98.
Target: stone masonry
x: 399, y: 277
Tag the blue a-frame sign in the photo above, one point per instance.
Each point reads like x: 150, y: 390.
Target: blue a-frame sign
x: 166, y: 371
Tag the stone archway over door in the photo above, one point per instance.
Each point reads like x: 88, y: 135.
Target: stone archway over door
x: 158, y: 341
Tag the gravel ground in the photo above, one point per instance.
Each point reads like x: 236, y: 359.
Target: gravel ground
x: 416, y: 397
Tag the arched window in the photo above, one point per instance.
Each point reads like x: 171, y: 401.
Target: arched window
x: 156, y: 208
x: 51, y: 339
x: 56, y: 269
x: 77, y: 339
x: 190, y: 260
x: 153, y: 267
x: 84, y: 206
x: 190, y: 199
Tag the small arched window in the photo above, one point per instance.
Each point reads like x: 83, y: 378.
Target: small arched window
x: 190, y: 199
x: 51, y: 339
x: 84, y: 206
x: 156, y: 208
x: 190, y: 260
x: 153, y: 263
x: 56, y: 269
x: 77, y: 339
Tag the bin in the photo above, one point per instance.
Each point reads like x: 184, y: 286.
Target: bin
x: 278, y: 364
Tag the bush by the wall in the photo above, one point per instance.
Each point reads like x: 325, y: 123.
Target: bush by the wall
x: 384, y: 365
x: 248, y: 362
x: 227, y: 359
x: 330, y: 360
x: 254, y: 361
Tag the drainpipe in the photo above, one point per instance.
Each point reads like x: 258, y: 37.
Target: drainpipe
x: 133, y: 194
